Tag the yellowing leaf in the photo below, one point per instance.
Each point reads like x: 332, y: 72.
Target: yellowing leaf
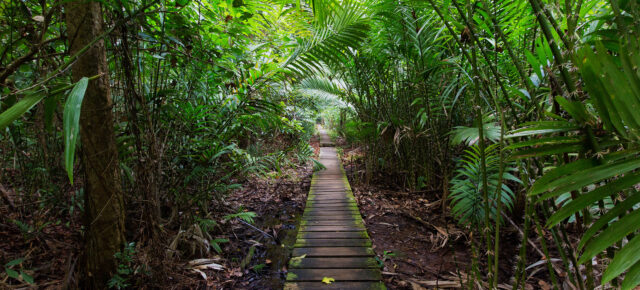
x: 328, y: 280
x: 295, y: 261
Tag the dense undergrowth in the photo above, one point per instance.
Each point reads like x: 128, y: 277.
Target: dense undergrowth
x: 124, y: 122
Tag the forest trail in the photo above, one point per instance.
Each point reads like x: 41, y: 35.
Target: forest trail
x: 325, y: 140
x: 332, y: 243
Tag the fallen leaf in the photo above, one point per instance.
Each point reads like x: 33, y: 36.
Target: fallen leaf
x: 328, y: 280
x: 295, y: 261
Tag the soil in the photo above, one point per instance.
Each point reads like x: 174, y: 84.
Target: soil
x: 52, y: 245
x: 421, y: 246
x: 279, y: 203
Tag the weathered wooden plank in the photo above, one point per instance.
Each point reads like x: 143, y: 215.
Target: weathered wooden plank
x: 334, y: 209
x: 338, y: 274
x: 317, y: 221
x: 328, y: 188
x: 331, y: 192
x: 334, y: 206
x: 335, y: 285
x: 333, y: 235
x: 314, y: 210
x: 331, y: 223
x: 327, y: 218
x: 331, y: 229
x: 331, y: 208
x: 332, y: 202
x: 329, y: 197
x: 353, y: 214
x: 333, y: 252
x: 335, y: 263
x: 312, y: 243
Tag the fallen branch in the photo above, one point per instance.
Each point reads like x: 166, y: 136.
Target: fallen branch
x: 259, y: 230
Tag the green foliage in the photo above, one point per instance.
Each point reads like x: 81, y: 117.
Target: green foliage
x: 607, y: 173
x: 19, y: 274
x: 386, y: 255
x: 71, y: 125
x: 246, y: 216
x: 467, y: 189
x: 125, y: 271
x: 470, y: 135
x: 207, y: 94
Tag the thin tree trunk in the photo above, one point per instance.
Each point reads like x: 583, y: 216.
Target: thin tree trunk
x: 104, y: 205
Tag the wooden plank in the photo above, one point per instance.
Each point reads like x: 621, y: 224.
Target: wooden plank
x: 333, y: 252
x: 331, y: 202
x: 333, y: 235
x: 335, y: 285
x: 331, y: 223
x: 338, y: 274
x: 336, y: 263
x: 312, y: 243
x: 330, y: 198
x: 330, y: 206
x: 331, y: 229
x: 341, y: 188
x: 343, y: 208
x: 334, y: 206
x: 314, y: 218
x: 353, y: 214
x: 323, y: 211
x: 333, y: 194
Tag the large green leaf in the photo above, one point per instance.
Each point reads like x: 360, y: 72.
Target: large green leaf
x: 585, y: 200
x: 611, y: 215
x: 623, y: 260
x: 71, y: 120
x: 632, y: 278
x: 25, y: 104
x: 611, y: 235
x: 590, y: 176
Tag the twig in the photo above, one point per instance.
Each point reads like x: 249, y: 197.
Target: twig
x: 531, y: 242
x: 257, y: 229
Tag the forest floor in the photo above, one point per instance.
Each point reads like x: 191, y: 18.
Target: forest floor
x: 417, y: 245
x: 421, y: 246
x: 50, y: 241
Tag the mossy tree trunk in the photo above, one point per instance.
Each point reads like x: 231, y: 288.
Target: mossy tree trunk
x: 104, y: 206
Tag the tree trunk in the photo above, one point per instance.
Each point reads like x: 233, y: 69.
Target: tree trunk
x: 104, y: 206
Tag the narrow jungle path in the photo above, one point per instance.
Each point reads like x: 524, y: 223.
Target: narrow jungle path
x: 332, y: 243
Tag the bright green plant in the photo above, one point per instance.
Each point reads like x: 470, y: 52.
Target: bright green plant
x: 247, y: 216
x: 467, y: 190
x: 386, y: 255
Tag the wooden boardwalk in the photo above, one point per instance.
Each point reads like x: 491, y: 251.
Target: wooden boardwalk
x: 332, y: 241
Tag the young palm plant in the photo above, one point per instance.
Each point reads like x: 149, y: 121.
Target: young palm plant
x: 467, y: 189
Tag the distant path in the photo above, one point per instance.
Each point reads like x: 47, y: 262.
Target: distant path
x: 325, y: 140
x: 332, y: 237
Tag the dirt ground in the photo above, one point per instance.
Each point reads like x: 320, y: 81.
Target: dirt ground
x: 421, y: 246
x: 417, y: 244
x: 50, y: 242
